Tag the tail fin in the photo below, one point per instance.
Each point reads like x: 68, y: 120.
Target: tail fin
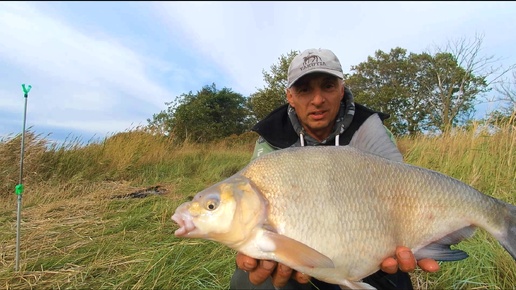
x: 509, y: 241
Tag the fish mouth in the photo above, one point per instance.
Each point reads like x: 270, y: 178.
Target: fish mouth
x: 185, y: 223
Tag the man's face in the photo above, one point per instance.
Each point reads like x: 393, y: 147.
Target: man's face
x: 316, y: 98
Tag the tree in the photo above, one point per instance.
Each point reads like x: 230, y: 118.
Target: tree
x: 209, y: 114
x: 390, y: 82
x: 270, y: 97
x: 427, y: 91
x: 452, y: 92
x: 462, y: 77
x: 507, y: 91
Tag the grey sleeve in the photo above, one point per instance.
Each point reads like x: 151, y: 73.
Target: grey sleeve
x: 261, y: 147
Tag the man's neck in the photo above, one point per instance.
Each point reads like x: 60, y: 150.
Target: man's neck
x: 322, y: 134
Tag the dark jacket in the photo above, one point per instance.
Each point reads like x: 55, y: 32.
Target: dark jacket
x: 277, y: 129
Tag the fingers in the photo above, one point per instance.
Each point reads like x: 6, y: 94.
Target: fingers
x: 284, y: 273
x: 406, y: 259
x: 428, y: 265
x: 389, y: 266
x: 281, y: 276
x: 262, y: 271
x: 246, y: 263
x: 300, y: 277
x: 259, y: 270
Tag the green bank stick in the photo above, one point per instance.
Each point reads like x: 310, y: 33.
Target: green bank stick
x: 19, y: 187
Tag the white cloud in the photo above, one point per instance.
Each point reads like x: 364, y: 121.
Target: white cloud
x: 246, y: 37
x: 110, y: 126
x: 72, y: 73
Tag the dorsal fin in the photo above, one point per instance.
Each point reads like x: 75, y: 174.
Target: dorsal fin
x: 372, y: 137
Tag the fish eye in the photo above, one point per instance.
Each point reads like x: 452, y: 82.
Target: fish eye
x: 212, y: 204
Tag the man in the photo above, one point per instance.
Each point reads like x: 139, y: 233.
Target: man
x: 320, y: 111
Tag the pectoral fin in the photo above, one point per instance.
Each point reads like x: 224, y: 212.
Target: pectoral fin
x: 293, y: 253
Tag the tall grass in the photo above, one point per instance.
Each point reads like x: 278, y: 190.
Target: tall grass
x: 77, y: 233
x: 487, y: 162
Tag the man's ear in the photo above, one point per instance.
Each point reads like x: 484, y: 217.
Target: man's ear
x: 290, y: 97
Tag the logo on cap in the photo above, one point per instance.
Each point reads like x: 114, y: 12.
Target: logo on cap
x: 312, y: 60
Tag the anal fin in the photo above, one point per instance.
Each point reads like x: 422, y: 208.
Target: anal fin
x: 440, y: 250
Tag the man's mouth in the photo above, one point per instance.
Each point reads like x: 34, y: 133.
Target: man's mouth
x: 318, y: 115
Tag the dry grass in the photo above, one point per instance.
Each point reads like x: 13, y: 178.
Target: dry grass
x: 487, y: 162
x: 75, y: 235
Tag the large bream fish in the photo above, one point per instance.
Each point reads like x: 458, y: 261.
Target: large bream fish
x: 336, y: 212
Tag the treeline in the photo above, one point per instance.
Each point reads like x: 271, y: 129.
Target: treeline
x: 425, y: 92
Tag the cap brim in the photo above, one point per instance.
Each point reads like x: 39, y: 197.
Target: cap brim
x: 338, y: 74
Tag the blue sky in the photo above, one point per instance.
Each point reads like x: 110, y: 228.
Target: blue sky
x: 97, y: 68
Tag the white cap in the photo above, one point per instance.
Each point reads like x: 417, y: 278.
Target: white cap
x: 313, y: 60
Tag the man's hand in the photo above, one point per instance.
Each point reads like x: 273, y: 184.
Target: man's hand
x: 260, y: 270
x: 406, y: 262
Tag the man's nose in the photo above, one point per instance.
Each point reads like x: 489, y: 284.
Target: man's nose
x: 318, y: 97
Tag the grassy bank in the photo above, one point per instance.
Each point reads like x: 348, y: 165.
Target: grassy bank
x: 82, y: 226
